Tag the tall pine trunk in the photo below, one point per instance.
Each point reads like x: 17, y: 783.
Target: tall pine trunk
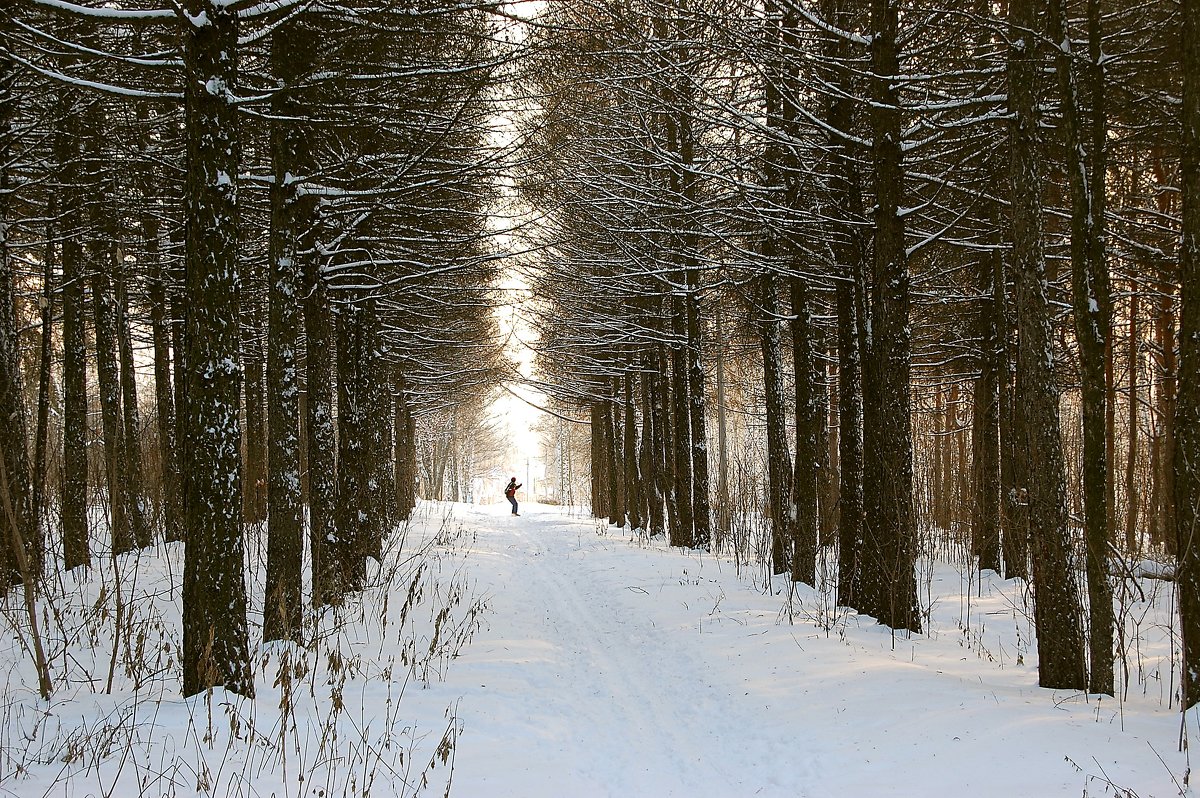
x: 810, y: 418
x: 1057, y: 614
x: 891, y: 536
x: 1187, y: 402
x: 779, y: 462
x: 1093, y: 312
x: 215, y: 635
x: 283, y: 608
x: 16, y: 512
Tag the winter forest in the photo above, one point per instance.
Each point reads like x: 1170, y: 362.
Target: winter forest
x: 856, y: 343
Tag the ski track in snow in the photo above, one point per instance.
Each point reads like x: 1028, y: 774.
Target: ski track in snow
x: 613, y: 704
x: 605, y: 668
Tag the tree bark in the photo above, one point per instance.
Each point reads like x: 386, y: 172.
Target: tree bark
x: 215, y: 636
x: 633, y: 482
x: 283, y: 606
x: 1057, y: 615
x: 76, y: 544
x: 985, y: 426
x: 12, y: 406
x: 809, y: 420
x: 1093, y: 321
x: 1187, y: 403
x: 779, y: 461
x: 158, y: 290
x: 681, y: 432
x: 890, y: 539
x: 139, y: 512
x: 108, y: 382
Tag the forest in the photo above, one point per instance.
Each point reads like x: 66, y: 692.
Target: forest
x: 828, y: 287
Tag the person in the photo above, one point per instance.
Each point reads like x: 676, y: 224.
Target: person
x: 510, y: 493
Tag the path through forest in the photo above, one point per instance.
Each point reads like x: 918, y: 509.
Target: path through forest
x: 609, y: 667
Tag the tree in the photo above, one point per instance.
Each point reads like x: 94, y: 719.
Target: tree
x: 1057, y: 609
x: 1187, y: 408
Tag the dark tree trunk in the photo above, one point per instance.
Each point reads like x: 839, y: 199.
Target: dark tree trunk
x: 179, y: 377
x: 46, y: 355
x: 652, y: 464
x: 681, y: 433
x: 614, y: 459
x: 108, y: 384
x: 779, y: 461
x: 76, y: 545
x: 139, y: 513
x: 666, y: 429
x: 985, y: 425
x: 850, y: 247
x: 16, y: 511
x: 698, y: 415
x: 158, y: 289
x: 1093, y: 314
x: 1014, y: 519
x: 810, y: 418
x: 375, y: 416
x: 254, y: 485
x: 1164, y: 475
x: 1057, y: 616
x: 891, y: 535
x: 1187, y: 403
x: 404, y: 441
x: 352, y: 515
x: 215, y: 635
x: 1131, y: 486
x: 722, y: 515
x: 633, y: 482
x: 283, y: 606
x: 322, y: 441
x: 601, y: 453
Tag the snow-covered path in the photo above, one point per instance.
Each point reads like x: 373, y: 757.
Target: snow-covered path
x: 606, y: 668
x: 607, y: 699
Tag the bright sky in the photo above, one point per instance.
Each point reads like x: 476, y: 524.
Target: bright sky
x: 517, y: 412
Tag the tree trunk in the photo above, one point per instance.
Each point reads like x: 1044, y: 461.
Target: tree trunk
x: 985, y: 425
x: 891, y: 539
x: 108, y: 383
x: 723, y: 517
x: 157, y: 286
x: 215, y: 636
x: 681, y: 433
x: 45, y: 356
x: 283, y: 605
x: 1187, y: 403
x: 633, y: 498
x: 76, y: 545
x: 615, y: 458
x: 346, y: 549
x: 14, y: 457
x: 404, y: 439
x: 1093, y: 321
x: 254, y: 486
x: 779, y: 462
x: 1131, y: 486
x: 1057, y: 617
x: 139, y: 512
x: 809, y: 419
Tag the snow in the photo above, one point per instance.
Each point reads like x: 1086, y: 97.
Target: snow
x: 554, y: 655
x: 609, y: 668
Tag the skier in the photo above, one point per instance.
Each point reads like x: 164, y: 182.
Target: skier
x: 510, y: 493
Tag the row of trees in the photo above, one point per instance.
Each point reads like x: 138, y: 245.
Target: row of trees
x: 937, y: 209
x: 281, y: 205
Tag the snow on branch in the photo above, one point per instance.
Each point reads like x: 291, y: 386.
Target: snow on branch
x: 109, y: 13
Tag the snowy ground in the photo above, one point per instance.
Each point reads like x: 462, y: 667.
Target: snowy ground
x: 612, y: 668
x: 605, y: 666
